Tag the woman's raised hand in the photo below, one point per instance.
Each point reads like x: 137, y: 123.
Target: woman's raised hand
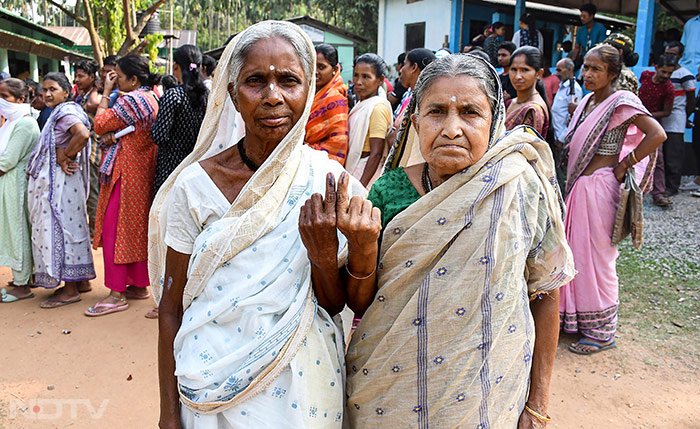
x: 317, y: 226
x: 357, y: 219
x: 110, y: 82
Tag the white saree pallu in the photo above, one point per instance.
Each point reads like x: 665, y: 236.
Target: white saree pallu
x: 254, y: 348
x: 358, y: 124
x: 253, y: 306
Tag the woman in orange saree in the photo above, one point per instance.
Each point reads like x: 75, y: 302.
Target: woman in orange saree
x: 327, y: 129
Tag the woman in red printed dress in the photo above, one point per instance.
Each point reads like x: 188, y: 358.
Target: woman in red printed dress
x: 127, y: 174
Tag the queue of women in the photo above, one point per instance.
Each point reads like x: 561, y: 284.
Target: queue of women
x: 257, y: 243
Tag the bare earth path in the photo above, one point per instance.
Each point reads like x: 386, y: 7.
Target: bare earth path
x: 113, y: 358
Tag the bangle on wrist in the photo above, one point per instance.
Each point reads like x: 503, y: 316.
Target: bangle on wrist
x: 355, y: 322
x: 543, y: 418
x: 359, y: 278
x: 634, y: 157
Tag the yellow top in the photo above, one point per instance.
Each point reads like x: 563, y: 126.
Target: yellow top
x: 379, y: 124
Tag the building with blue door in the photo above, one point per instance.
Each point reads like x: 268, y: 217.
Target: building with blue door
x: 434, y: 24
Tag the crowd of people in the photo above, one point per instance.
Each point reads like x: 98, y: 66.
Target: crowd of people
x: 470, y: 213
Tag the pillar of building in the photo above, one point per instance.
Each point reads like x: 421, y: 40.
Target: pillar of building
x: 33, y: 68
x: 4, y: 61
x: 519, y: 10
x: 644, y: 35
x: 498, y: 17
x: 53, y: 65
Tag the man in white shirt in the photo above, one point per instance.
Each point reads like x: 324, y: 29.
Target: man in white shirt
x: 691, y: 40
x: 560, y: 109
x: 683, y: 105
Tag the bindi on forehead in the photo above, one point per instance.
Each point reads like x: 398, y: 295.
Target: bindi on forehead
x: 272, y: 67
x: 453, y: 98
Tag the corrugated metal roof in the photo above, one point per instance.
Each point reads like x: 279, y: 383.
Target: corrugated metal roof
x: 182, y: 37
x: 19, y: 19
x: 16, y: 42
x: 79, y: 35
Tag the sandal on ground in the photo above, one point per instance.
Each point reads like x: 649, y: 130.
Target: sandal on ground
x: 129, y: 293
x: 7, y: 298
x: 153, y: 314
x: 56, y: 302
x: 662, y: 202
x: 599, y: 347
x: 108, y: 307
x: 695, y: 193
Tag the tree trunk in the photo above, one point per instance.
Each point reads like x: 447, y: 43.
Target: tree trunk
x: 228, y: 19
x: 184, y: 15
x: 210, y: 23
x: 88, y: 22
x: 94, y: 36
x: 133, y: 32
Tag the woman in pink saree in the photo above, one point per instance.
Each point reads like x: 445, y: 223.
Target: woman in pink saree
x: 529, y: 107
x: 599, y: 155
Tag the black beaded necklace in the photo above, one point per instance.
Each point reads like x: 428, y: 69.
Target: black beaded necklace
x: 247, y: 161
x: 425, y: 179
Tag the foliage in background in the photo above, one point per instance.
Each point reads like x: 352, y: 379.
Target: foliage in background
x: 213, y: 20
x: 664, y: 21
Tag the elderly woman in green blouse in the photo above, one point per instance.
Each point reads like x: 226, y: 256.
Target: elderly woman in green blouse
x: 459, y: 317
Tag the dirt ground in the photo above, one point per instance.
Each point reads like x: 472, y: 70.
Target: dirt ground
x: 61, y: 380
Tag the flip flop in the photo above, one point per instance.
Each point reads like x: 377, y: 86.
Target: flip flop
x: 55, y: 302
x: 600, y: 347
x: 111, y: 308
x: 153, y: 314
x: 131, y: 295
x: 6, y: 298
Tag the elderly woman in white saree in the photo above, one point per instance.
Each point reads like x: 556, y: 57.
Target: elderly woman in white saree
x: 462, y: 328
x: 244, y: 252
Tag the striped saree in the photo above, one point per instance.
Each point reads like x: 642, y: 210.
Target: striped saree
x: 449, y: 338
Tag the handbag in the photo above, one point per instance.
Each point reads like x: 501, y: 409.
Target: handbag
x: 628, y: 218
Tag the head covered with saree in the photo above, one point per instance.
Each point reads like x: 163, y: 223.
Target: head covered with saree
x: 448, y: 341
x: 252, y: 213
x: 250, y: 319
x: 401, y: 151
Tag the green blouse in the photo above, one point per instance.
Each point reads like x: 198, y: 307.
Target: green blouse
x: 392, y: 193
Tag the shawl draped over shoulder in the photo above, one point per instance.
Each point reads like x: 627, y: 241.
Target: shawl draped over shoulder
x: 449, y: 338
x: 251, y: 323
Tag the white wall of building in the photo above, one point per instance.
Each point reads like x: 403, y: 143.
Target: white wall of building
x: 395, y: 14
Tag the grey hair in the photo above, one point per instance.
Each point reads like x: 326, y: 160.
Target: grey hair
x: 265, y: 30
x: 459, y: 64
x: 568, y: 63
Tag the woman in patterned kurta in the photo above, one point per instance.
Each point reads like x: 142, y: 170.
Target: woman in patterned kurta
x: 127, y: 174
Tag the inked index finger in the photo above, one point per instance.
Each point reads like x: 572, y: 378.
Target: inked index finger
x: 342, y: 193
x: 330, y: 192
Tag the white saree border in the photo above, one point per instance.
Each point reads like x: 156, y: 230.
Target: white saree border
x: 270, y: 373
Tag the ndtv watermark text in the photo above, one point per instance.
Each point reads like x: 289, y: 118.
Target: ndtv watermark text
x: 54, y: 409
